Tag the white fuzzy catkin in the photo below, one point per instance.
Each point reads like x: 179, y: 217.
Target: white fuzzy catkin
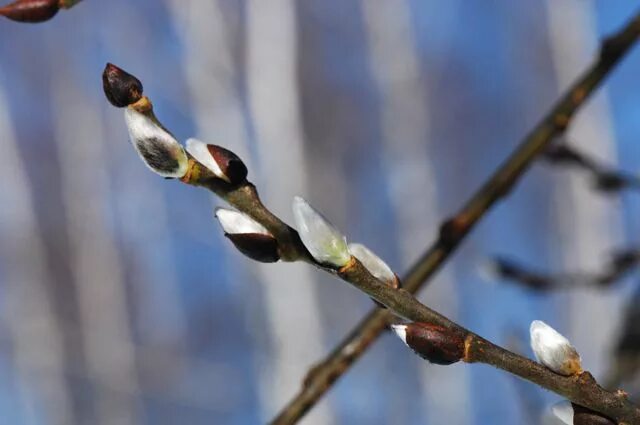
x: 563, y: 411
x: 378, y: 268
x: 200, y: 152
x: 554, y: 350
x: 159, y: 150
x: 325, y: 243
x: 235, y: 222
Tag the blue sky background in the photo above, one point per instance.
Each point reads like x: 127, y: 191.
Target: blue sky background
x: 122, y: 302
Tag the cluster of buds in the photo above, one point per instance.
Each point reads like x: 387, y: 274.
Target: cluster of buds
x: 35, y: 10
x: 573, y: 414
x: 250, y: 237
x: 432, y: 342
x: 157, y: 147
x: 554, y: 350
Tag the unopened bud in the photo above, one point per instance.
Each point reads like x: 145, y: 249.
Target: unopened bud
x: 249, y: 237
x: 30, y: 10
x: 554, y: 350
x: 223, y: 163
x: 378, y: 268
x: 433, y: 343
x: 573, y: 414
x: 325, y: 243
x: 159, y: 150
x: 120, y: 87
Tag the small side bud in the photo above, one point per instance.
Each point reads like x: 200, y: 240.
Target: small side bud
x: 30, y: 10
x: 159, y: 150
x: 223, y: 163
x: 120, y: 87
x: 325, y: 243
x: 573, y: 414
x: 378, y: 268
x: 249, y: 237
x: 554, y: 350
x: 433, y: 343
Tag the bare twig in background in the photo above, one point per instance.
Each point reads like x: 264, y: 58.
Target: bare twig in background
x: 618, y: 266
x: 454, y: 230
x: 604, y: 179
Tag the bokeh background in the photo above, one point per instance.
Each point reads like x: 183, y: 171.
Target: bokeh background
x: 122, y: 303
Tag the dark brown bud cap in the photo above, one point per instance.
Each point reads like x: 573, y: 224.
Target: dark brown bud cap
x: 120, y: 87
x: 584, y: 416
x: 230, y: 164
x: 259, y: 247
x: 30, y: 10
x: 433, y: 343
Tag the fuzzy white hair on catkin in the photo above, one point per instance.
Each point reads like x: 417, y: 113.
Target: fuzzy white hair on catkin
x: 159, y: 150
x: 235, y: 222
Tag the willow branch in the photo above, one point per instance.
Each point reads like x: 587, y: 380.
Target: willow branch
x: 454, y: 230
x: 581, y: 389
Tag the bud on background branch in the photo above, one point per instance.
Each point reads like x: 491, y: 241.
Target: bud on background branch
x: 324, y: 241
x: 223, y: 163
x: 249, y: 237
x: 554, y: 350
x: 433, y: 343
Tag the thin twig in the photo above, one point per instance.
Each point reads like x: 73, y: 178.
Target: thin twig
x: 617, y: 267
x: 605, y: 179
x: 453, y: 231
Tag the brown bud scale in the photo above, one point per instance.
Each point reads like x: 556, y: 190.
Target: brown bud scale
x: 30, y: 10
x: 435, y: 343
x: 120, y: 87
x: 230, y: 164
x: 259, y: 247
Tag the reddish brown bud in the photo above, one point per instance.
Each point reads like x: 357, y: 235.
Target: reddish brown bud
x: 223, y: 163
x: 250, y: 237
x: 120, y: 87
x: 433, y: 343
x: 256, y: 246
x: 230, y: 164
x: 30, y: 10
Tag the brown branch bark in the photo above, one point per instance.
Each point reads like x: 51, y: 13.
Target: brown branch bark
x: 454, y: 230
